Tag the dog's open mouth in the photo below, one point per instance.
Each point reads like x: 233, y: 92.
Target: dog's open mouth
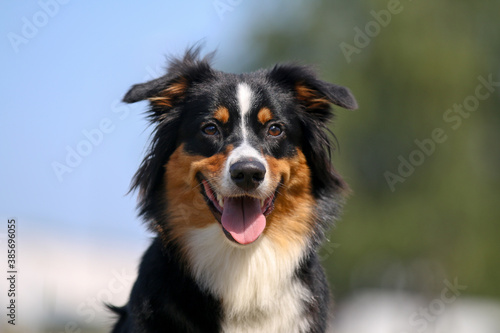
x: 243, y: 218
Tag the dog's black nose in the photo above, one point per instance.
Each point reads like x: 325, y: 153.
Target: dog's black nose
x: 247, y: 174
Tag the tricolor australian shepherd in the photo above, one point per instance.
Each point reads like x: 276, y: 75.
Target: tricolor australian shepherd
x: 238, y: 187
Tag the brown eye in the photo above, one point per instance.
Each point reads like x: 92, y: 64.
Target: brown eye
x: 210, y: 129
x: 275, y: 130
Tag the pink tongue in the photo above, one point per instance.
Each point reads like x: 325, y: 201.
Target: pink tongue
x: 243, y: 219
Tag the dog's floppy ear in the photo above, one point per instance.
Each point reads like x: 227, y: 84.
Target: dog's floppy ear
x: 167, y: 91
x: 315, y: 97
x: 312, y: 92
x: 151, y: 89
x: 316, y: 93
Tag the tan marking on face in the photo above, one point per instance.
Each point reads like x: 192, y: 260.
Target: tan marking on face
x: 264, y: 115
x: 291, y: 220
x: 222, y: 114
x: 310, y: 97
x: 187, y: 208
x: 168, y: 96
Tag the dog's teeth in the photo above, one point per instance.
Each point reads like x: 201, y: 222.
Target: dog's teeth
x: 220, y: 200
x: 262, y: 202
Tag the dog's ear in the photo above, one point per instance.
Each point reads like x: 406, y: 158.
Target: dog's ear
x: 315, y: 97
x: 312, y: 92
x: 167, y: 91
x: 156, y: 89
x: 317, y: 93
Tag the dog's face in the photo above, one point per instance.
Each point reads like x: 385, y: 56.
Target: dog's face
x: 244, y: 151
x: 239, y: 140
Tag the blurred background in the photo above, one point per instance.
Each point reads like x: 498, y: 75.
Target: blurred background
x: 417, y: 248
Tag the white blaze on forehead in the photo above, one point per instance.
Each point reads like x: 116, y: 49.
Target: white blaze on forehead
x: 244, y: 96
x: 244, y: 150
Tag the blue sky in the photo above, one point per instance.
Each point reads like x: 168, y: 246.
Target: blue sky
x: 65, y: 67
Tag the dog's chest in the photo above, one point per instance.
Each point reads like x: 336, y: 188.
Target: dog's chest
x: 283, y: 314
x: 256, y: 284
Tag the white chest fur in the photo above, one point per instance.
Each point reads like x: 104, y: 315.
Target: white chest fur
x: 254, y: 282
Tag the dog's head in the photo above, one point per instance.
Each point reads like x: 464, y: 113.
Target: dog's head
x: 250, y: 152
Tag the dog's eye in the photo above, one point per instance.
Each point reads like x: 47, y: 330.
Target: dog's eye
x: 210, y: 129
x: 274, y: 130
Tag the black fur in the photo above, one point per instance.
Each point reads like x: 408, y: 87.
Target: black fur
x: 165, y: 297
x: 153, y: 296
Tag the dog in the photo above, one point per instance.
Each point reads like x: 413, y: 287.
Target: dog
x: 238, y: 187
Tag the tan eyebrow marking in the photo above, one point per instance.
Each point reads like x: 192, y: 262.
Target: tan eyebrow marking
x: 264, y: 115
x: 222, y: 114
